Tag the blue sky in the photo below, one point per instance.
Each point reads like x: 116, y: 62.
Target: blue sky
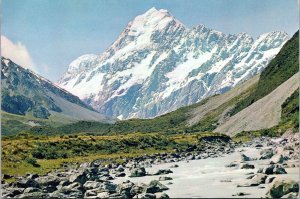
x: 55, y: 32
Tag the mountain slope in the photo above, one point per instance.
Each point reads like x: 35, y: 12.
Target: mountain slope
x: 264, y: 113
x: 264, y: 107
x: 26, y: 93
x: 157, y: 65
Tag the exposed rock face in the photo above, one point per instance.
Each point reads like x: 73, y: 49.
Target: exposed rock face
x: 157, y: 65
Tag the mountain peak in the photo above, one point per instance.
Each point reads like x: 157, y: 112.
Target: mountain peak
x: 154, y: 11
x: 151, y: 19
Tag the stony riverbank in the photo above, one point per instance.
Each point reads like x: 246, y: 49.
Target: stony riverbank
x: 262, y: 167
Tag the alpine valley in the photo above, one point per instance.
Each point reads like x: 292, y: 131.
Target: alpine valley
x: 157, y: 65
x: 165, y: 112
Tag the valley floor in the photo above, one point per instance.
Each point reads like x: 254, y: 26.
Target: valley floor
x: 259, y: 168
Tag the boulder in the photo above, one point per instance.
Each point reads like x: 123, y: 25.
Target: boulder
x: 79, y: 177
x: 266, y: 154
x: 232, y: 164
x: 273, y: 169
x: 120, y: 174
x: 255, y: 181
x: 103, y: 195
x: 162, y: 172
x: 146, y: 196
x: 277, y: 159
x: 33, y: 195
x: 138, y: 172
x: 268, y: 170
x: 247, y: 166
x: 279, y: 170
x: 91, y: 185
x: 12, y: 192
x: 31, y: 189
x: 241, y: 194
x: 155, y: 186
x: 71, y: 191
x: 25, y: 183
x: 161, y: 195
x: 244, y: 158
x: 291, y: 195
x: 120, y: 168
x: 49, y: 182
x: 32, y: 176
x: 124, y: 189
x: 281, y: 187
x: 269, y: 179
x: 138, y: 189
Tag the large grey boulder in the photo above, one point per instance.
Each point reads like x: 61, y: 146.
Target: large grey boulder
x: 282, y: 186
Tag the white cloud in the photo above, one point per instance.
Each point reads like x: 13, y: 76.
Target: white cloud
x: 17, y: 52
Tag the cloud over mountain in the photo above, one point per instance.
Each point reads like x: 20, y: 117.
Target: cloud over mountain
x: 16, y: 52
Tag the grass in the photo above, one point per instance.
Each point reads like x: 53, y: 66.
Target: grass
x: 18, y: 158
x: 12, y: 124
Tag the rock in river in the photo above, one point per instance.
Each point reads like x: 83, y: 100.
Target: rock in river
x: 281, y: 187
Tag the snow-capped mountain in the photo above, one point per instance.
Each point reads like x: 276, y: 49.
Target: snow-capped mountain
x: 157, y: 65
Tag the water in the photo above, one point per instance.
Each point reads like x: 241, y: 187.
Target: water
x: 203, y: 178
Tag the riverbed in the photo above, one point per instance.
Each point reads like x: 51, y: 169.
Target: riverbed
x: 210, y: 178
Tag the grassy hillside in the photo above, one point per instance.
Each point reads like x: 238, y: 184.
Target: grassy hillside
x: 280, y: 69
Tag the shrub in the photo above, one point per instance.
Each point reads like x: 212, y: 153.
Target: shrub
x: 32, y: 161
